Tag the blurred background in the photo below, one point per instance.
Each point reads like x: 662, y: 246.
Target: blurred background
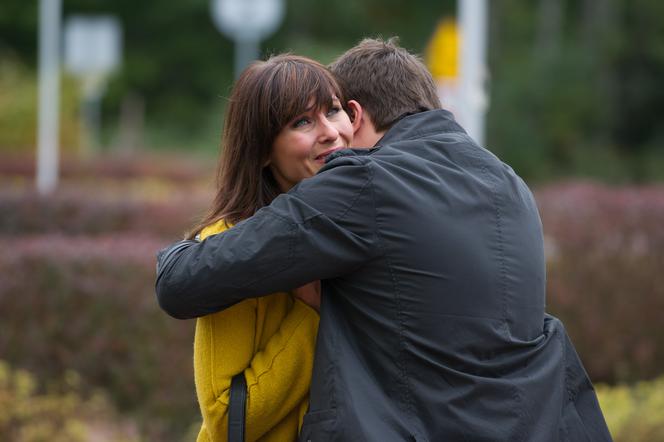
x: 569, y: 93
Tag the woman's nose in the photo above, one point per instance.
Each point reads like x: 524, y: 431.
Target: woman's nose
x: 328, y: 132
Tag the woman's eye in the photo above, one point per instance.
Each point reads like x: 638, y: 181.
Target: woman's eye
x: 333, y: 111
x: 301, y: 122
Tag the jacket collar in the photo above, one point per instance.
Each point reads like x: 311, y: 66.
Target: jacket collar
x: 420, y: 124
x: 408, y: 127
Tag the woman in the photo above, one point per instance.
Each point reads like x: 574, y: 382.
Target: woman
x: 284, y: 117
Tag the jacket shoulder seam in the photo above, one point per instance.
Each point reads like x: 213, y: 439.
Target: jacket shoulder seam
x: 366, y: 184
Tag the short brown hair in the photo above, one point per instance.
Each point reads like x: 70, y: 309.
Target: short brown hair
x: 265, y: 98
x: 386, y: 79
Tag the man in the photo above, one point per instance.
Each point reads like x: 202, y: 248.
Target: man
x: 431, y: 258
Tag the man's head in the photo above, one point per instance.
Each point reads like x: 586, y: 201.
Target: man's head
x: 387, y: 81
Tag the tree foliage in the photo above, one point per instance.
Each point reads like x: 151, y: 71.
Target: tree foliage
x: 573, y: 84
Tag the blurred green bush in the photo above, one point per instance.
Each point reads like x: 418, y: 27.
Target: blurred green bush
x: 634, y: 413
x: 18, y: 108
x: 62, y: 414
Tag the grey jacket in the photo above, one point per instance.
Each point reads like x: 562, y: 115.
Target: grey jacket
x: 432, y: 326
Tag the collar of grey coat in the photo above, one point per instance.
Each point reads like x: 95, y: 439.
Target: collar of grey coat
x: 420, y: 124
x: 409, y: 125
x: 347, y: 152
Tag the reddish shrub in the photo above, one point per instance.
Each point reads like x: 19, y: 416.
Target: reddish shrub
x: 79, y: 295
x: 88, y: 304
x: 83, y: 212
x: 180, y: 169
x: 605, y: 274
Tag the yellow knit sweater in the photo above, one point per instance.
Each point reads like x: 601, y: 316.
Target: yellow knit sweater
x: 271, y: 339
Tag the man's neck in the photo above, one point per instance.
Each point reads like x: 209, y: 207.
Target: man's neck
x: 367, y: 138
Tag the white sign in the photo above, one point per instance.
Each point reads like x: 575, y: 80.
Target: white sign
x: 247, y: 19
x: 93, y: 45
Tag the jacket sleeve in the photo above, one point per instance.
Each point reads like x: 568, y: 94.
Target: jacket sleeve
x: 324, y: 227
x: 278, y: 377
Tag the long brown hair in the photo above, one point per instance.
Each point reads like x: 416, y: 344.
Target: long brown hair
x: 266, y: 97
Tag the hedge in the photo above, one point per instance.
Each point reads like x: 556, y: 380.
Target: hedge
x: 78, y: 273
x: 88, y: 305
x: 181, y: 169
x: 33, y: 412
x: 605, y: 250
x: 634, y: 412
x: 166, y: 212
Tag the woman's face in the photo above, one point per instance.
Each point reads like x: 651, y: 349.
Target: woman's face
x: 299, y: 150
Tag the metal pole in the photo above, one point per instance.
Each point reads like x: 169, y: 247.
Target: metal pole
x: 473, y: 18
x: 247, y: 49
x: 49, y: 95
x: 92, y: 93
x: 91, y: 127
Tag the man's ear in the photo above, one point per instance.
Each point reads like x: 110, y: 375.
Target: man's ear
x: 356, y: 114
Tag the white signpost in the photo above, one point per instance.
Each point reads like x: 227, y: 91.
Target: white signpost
x: 473, y: 16
x: 457, y: 60
x: 247, y: 22
x: 93, y: 50
x: 49, y: 96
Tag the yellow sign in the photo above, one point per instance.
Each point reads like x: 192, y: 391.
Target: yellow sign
x: 442, y: 53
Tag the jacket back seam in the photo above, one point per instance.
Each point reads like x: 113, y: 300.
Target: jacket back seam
x: 369, y: 180
x: 516, y: 393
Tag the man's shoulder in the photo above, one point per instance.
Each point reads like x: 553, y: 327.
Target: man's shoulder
x: 350, y: 156
x: 352, y: 162
x: 339, y: 185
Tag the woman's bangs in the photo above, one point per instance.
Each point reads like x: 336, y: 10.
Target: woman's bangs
x: 304, y: 87
x: 323, y: 89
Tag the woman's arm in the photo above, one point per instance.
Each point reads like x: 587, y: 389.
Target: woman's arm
x: 309, y: 294
x: 278, y: 377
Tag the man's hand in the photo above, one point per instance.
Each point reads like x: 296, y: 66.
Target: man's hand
x: 309, y: 294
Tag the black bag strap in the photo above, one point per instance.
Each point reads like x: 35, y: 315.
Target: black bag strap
x: 236, y: 408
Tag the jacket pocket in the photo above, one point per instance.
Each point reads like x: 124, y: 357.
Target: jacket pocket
x: 318, y: 426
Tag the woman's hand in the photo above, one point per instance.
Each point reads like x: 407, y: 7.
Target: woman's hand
x: 309, y: 294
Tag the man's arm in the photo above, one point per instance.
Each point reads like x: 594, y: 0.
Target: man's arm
x: 323, y: 228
